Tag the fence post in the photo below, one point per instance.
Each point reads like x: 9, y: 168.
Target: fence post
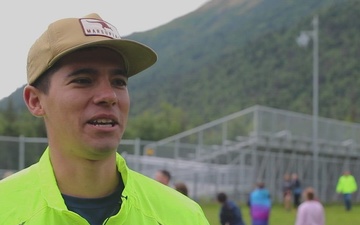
x: 137, y: 152
x: 21, y: 152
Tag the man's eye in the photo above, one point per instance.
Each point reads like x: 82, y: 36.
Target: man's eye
x: 82, y: 81
x: 119, y: 82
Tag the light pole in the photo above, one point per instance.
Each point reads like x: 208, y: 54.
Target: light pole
x: 303, y: 40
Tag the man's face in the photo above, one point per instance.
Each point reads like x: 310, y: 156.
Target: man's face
x: 159, y: 176
x: 87, y: 106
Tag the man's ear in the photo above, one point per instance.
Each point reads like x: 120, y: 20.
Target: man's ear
x: 32, y: 100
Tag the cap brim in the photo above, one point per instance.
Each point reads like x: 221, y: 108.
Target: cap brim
x: 137, y: 56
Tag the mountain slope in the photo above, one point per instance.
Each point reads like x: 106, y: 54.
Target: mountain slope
x: 204, y: 62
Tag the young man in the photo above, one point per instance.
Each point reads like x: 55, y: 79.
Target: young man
x: 296, y: 189
x: 163, y: 176
x: 230, y: 213
x: 77, y: 74
x: 346, y: 186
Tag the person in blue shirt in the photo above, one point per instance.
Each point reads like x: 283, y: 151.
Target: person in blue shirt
x: 260, y: 205
x: 230, y: 212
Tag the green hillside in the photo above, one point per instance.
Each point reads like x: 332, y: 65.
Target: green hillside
x: 231, y: 65
x: 229, y: 55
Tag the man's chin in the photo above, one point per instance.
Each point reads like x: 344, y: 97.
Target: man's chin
x: 103, y: 150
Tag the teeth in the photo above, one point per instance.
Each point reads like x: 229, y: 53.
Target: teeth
x: 104, y: 125
x: 103, y: 121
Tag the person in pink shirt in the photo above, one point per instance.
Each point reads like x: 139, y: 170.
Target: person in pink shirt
x: 311, y: 211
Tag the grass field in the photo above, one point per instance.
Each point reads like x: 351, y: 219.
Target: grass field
x: 334, y: 215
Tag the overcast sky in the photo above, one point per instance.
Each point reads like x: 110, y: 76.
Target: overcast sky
x: 24, y: 21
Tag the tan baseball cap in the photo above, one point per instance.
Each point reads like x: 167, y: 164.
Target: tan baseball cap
x: 70, y: 34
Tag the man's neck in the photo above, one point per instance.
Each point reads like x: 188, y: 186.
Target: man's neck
x: 86, y: 178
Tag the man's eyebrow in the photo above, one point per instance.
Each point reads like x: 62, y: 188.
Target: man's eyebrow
x: 82, y: 71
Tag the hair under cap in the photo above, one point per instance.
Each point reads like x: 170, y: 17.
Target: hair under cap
x: 71, y: 34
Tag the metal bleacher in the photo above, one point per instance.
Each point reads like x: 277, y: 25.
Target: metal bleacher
x: 262, y: 143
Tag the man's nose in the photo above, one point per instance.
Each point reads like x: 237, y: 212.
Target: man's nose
x: 105, y: 94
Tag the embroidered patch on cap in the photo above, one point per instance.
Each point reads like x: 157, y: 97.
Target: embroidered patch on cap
x: 95, y: 27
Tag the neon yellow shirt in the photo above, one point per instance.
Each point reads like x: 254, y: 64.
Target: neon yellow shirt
x: 346, y: 184
x: 32, y: 197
